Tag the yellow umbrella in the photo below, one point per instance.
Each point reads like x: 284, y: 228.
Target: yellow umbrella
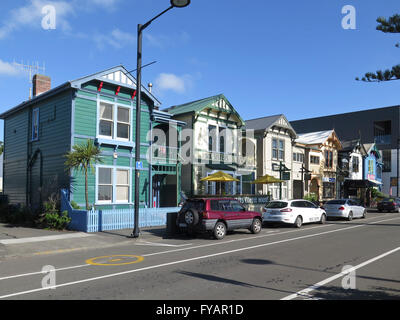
x: 220, y: 177
x: 267, y: 179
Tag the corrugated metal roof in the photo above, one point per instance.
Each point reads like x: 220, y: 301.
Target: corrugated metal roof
x: 262, y: 123
x: 318, y: 137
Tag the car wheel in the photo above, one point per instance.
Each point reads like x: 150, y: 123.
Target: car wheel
x: 299, y: 222
x: 219, y: 231
x: 323, y: 219
x: 350, y: 217
x: 256, y: 226
x: 191, y: 217
x: 364, y: 214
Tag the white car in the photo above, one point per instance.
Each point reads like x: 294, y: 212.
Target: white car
x: 344, y: 208
x: 295, y: 212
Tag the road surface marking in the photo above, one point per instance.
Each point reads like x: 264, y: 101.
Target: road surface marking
x: 46, y: 238
x: 108, y: 260
x: 185, y: 260
x: 197, y: 247
x: 305, y: 292
x: 147, y: 243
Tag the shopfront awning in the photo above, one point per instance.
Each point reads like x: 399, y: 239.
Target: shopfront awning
x: 220, y: 167
x: 361, y: 184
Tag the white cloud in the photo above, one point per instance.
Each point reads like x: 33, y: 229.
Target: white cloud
x: 116, y: 39
x: 9, y: 69
x: 31, y: 15
x: 178, y: 84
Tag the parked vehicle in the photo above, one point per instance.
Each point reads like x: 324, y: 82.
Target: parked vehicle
x: 389, y: 204
x: 217, y: 216
x: 345, y: 208
x: 295, y: 212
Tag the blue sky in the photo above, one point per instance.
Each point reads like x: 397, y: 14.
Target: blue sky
x: 268, y: 57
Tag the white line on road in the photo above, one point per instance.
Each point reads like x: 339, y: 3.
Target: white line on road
x: 147, y: 243
x: 185, y: 260
x: 305, y: 292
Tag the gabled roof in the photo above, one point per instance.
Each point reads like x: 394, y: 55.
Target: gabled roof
x: 351, y: 145
x: 317, y: 138
x: 371, y: 148
x: 199, y: 105
x: 116, y: 75
x: 266, y: 123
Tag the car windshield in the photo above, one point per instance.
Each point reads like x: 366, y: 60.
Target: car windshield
x: 388, y: 200
x: 194, y: 204
x: 277, y: 205
x: 336, y: 202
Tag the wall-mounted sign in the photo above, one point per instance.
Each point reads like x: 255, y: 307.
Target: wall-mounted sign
x: 393, y: 182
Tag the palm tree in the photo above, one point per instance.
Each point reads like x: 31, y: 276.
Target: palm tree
x: 84, y: 157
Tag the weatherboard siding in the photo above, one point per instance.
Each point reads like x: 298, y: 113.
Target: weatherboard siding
x: 53, y: 142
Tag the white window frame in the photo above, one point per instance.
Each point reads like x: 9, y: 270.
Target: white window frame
x: 115, y: 121
x: 114, y: 170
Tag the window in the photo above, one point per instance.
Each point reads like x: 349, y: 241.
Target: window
x: 107, y: 122
x: 356, y: 164
x: 370, y: 166
x: 123, y: 124
x: 212, y: 138
x: 278, y: 149
x: 328, y: 159
x: 35, y: 125
x: 122, y: 186
x: 387, y: 160
x: 113, y: 185
x: 106, y: 126
x: 328, y: 190
x: 105, y: 185
x: 383, y: 132
x: 222, y: 140
x: 298, y: 157
x: 314, y: 160
x: 281, y: 150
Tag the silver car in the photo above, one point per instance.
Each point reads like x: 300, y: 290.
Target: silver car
x: 345, y: 208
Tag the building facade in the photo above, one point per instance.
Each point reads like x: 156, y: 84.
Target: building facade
x: 101, y: 107
x: 321, y: 159
x: 380, y: 126
x: 275, y: 137
x: 212, y: 142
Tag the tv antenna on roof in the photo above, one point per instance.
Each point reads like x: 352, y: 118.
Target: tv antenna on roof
x: 31, y: 70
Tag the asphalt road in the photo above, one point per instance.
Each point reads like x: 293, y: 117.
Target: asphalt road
x: 279, y: 263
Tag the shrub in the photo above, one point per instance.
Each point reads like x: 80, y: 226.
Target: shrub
x: 57, y: 221
x: 311, y: 197
x: 75, y: 206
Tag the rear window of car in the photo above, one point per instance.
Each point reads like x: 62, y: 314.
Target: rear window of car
x: 388, y: 200
x: 276, y: 205
x: 194, y: 204
x: 336, y: 202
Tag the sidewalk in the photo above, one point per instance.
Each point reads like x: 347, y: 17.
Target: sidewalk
x: 19, y: 242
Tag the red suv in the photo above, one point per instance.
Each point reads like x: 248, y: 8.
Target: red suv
x: 217, y: 215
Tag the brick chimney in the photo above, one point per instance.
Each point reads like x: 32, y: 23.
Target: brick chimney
x: 41, y: 84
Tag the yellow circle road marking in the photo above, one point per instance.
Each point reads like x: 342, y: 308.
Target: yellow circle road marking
x: 108, y: 260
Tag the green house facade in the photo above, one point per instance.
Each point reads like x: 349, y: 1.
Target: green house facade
x: 215, y: 140
x: 101, y: 107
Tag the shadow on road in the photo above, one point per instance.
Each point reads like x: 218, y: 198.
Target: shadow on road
x: 337, y: 293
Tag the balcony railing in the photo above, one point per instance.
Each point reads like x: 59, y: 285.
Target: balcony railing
x: 164, y: 155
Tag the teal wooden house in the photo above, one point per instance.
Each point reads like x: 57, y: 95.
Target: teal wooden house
x: 101, y: 107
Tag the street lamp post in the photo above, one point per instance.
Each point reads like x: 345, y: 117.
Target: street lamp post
x: 174, y: 4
